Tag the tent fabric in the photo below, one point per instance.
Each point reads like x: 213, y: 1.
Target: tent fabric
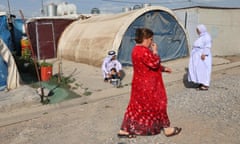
x: 88, y: 41
x: 19, y: 32
x: 5, y: 34
x: 13, y: 77
x: 3, y: 74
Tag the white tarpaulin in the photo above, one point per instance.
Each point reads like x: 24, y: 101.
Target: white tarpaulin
x: 13, y: 78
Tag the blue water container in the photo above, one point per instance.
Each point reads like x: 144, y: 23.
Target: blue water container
x: 3, y: 74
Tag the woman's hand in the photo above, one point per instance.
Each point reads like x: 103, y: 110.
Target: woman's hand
x: 154, y: 48
x: 203, y: 56
x: 167, y: 70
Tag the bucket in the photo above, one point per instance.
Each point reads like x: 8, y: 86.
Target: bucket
x: 46, y: 73
x: 116, y: 82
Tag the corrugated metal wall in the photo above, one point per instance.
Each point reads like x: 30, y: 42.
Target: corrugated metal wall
x: 44, y: 36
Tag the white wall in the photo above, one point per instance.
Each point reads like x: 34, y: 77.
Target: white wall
x: 222, y: 24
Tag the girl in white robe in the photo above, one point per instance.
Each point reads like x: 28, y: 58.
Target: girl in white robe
x: 200, y: 63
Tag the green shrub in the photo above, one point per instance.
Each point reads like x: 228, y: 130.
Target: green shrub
x: 45, y: 64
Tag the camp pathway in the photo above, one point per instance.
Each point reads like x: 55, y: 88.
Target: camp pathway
x: 89, y: 78
x: 206, y: 117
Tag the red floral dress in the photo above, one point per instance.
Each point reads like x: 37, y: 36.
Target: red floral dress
x: 146, y: 113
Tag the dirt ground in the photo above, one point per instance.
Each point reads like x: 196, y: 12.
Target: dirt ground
x: 99, y: 121
x: 233, y: 58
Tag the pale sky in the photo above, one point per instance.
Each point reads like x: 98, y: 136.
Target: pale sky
x: 31, y: 8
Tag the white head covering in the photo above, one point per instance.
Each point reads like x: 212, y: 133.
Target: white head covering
x: 202, y: 28
x: 204, y: 39
x: 111, y: 54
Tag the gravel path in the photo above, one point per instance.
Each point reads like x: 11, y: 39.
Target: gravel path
x: 221, y: 101
x: 207, y: 117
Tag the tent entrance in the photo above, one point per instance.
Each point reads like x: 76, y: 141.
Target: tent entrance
x: 168, y: 34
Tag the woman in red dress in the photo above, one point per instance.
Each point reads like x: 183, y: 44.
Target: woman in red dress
x: 146, y: 113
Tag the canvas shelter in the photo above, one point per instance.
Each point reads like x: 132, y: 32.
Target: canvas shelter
x: 88, y: 41
x: 19, y: 32
x: 8, y: 67
x: 9, y: 75
x: 11, y: 32
x: 5, y: 33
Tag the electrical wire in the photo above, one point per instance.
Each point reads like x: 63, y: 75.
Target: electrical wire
x: 127, y: 2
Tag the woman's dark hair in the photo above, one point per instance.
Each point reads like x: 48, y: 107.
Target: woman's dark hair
x: 142, y: 33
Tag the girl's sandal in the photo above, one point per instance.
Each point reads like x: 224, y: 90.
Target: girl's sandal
x: 176, y: 131
x: 203, y: 88
x: 126, y: 136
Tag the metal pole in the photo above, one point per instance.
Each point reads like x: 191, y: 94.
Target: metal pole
x: 9, y: 9
x: 42, y: 10
x: 34, y: 57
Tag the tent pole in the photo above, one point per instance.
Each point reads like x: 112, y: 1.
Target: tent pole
x: 9, y: 9
x: 186, y: 16
x: 34, y: 56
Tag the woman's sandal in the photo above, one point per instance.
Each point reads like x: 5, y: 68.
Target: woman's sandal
x: 203, y: 88
x: 176, y: 131
x: 126, y: 135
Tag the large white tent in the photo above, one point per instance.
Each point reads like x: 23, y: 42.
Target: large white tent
x: 88, y: 41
